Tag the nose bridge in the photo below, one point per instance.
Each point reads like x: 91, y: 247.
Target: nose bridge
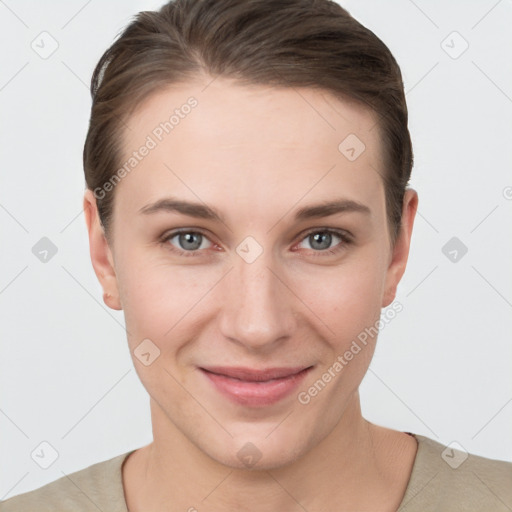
x: 256, y: 308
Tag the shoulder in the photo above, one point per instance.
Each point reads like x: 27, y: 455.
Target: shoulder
x: 97, y: 487
x: 447, y: 478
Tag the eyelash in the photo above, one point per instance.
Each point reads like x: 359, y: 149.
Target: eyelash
x: 346, y: 239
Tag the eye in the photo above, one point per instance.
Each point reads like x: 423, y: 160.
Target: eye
x: 320, y: 241
x: 187, y: 242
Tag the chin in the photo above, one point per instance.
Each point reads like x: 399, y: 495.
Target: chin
x: 258, y: 452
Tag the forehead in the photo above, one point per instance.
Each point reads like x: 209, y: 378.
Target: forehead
x: 216, y: 137
x: 227, y: 111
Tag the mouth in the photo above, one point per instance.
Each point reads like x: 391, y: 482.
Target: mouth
x: 255, y: 388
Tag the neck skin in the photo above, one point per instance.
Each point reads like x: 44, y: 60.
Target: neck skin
x: 358, y: 466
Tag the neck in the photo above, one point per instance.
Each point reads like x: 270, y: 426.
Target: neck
x: 353, y: 468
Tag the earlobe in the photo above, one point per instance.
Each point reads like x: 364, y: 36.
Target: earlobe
x: 400, y: 252
x: 100, y: 252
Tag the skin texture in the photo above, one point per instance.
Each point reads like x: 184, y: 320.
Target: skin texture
x: 256, y: 154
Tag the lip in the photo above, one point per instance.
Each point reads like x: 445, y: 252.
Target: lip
x: 255, y: 388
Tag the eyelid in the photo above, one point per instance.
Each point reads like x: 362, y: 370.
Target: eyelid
x: 322, y: 229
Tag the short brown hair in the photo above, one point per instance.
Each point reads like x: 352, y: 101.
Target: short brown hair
x: 290, y: 43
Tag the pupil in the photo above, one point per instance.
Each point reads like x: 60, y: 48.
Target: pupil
x: 189, y: 239
x: 318, y: 237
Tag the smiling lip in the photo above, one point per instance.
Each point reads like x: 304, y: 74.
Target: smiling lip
x: 255, y: 388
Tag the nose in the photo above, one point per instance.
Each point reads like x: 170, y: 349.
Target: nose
x: 257, y: 306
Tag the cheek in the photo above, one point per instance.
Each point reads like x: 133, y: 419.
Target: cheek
x: 346, y: 298
x: 347, y: 303
x: 158, y: 297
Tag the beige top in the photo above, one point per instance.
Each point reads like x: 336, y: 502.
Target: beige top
x: 442, y: 479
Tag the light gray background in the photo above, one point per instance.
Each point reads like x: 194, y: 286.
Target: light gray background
x: 442, y: 367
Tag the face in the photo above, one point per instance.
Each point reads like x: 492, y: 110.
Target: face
x: 223, y: 257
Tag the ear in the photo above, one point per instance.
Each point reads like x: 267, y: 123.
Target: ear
x: 400, y: 252
x: 101, y: 255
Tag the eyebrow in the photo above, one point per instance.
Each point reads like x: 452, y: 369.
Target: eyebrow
x: 202, y: 211
x: 331, y: 208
